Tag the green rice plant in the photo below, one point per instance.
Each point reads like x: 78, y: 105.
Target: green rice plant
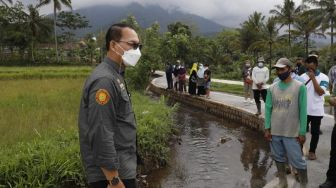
x: 43, y: 162
x: 44, y: 72
x: 39, y: 144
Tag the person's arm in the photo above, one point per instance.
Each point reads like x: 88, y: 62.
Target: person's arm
x: 103, y: 97
x: 254, y: 76
x: 268, y: 115
x: 303, y: 110
x: 268, y: 109
x: 324, y: 84
x: 316, y: 85
x: 266, y: 76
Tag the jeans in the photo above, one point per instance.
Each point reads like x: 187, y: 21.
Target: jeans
x: 289, y: 147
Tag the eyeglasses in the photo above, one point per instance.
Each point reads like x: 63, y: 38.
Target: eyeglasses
x: 134, y: 45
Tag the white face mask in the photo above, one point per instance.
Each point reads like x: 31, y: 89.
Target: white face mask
x: 130, y: 57
x: 260, y: 64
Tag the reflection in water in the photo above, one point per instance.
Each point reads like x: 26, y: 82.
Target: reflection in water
x: 255, y: 158
x: 204, y: 160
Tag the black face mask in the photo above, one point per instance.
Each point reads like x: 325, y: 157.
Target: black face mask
x: 284, y: 76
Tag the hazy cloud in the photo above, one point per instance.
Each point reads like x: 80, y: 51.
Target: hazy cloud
x: 226, y: 12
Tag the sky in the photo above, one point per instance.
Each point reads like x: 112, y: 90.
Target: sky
x: 226, y: 12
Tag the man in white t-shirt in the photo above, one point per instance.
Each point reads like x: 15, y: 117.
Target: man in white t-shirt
x: 260, y: 76
x: 317, y: 83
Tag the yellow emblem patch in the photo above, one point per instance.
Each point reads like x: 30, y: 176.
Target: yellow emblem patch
x: 102, y: 96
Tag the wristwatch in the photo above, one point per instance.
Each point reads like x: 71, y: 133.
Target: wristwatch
x: 115, y: 181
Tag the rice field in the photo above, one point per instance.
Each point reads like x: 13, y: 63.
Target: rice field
x: 38, y: 124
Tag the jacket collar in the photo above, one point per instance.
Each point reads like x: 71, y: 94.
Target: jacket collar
x: 115, y: 66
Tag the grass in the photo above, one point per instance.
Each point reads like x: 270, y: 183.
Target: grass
x: 39, y: 144
x: 44, y: 72
x: 30, y: 108
x: 228, y: 88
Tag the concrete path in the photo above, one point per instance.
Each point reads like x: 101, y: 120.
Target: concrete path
x: 317, y: 168
x: 161, y: 73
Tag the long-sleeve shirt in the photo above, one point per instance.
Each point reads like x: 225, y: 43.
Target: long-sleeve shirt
x: 260, y: 75
x: 107, y: 128
x: 286, y: 109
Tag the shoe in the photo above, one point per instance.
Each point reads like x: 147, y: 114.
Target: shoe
x: 303, y: 178
x: 288, y: 169
x: 281, y: 167
x: 312, y: 156
x: 328, y: 184
x: 246, y: 101
x: 251, y: 101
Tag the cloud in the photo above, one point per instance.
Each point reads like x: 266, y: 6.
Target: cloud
x: 226, y: 12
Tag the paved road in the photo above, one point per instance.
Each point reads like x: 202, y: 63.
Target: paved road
x: 317, y: 168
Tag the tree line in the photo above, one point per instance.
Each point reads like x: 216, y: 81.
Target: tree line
x: 287, y: 32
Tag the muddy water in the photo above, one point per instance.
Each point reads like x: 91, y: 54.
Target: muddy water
x: 214, y: 153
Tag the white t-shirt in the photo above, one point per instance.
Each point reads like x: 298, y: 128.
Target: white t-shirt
x: 315, y: 103
x: 260, y: 75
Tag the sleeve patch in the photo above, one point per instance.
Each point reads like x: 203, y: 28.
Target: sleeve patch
x: 324, y: 84
x: 102, y: 96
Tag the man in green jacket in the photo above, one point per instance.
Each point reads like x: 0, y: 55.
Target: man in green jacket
x: 286, y: 122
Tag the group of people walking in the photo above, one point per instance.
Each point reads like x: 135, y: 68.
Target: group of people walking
x: 199, y: 79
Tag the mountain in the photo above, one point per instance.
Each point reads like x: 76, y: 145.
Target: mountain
x: 102, y: 16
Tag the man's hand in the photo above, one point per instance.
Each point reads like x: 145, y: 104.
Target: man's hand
x: 259, y: 86
x: 268, y: 135
x: 301, y: 139
x: 110, y: 174
x: 120, y: 185
x: 311, y: 74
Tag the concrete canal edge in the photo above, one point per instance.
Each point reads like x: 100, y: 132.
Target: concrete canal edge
x: 220, y: 110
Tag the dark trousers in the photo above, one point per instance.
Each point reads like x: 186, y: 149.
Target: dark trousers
x: 331, y: 174
x: 257, y: 93
x: 192, y: 88
x: 200, y: 90
x: 170, y: 82
x: 182, y: 86
x: 129, y: 183
x: 315, y: 123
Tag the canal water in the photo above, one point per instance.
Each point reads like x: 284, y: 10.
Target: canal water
x: 212, y: 152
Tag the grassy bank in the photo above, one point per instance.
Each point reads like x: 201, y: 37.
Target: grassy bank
x: 44, y: 72
x: 39, y: 138
x: 228, y: 88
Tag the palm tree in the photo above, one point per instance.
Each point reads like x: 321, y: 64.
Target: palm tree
x: 57, y: 7
x: 4, y: 3
x: 325, y: 11
x: 306, y: 25
x: 269, y: 38
x: 255, y: 24
x: 37, y: 25
x: 251, y: 31
x: 286, y: 15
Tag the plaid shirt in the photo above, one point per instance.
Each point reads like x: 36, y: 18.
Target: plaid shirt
x: 332, y: 79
